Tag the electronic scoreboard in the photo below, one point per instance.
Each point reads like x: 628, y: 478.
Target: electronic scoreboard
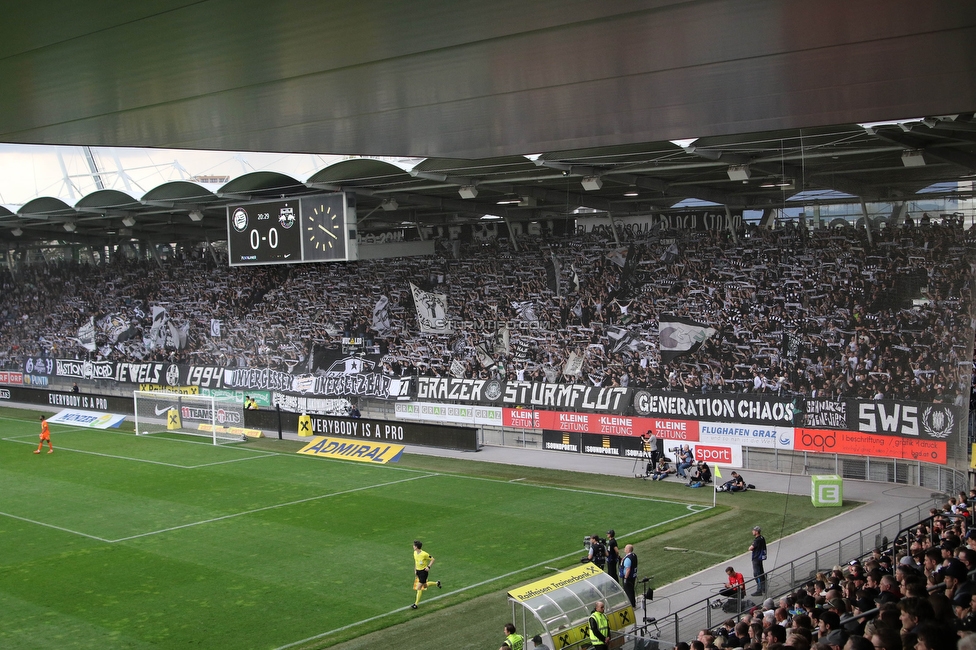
x: 320, y: 228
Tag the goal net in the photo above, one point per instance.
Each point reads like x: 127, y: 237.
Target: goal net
x: 195, y: 415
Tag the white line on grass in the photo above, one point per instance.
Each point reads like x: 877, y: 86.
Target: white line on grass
x: 64, y: 530
x: 272, y: 507
x: 257, y: 455
x: 477, y: 584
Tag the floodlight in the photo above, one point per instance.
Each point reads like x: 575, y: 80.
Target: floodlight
x: 17, y: 232
x: 196, y: 215
x: 739, y: 172
x: 129, y: 221
x: 468, y: 191
x: 69, y: 226
x: 912, y: 159
x: 591, y: 183
x: 389, y: 205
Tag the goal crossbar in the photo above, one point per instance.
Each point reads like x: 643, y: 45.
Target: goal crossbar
x: 198, y: 415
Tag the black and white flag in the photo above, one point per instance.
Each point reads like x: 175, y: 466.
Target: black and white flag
x: 680, y: 335
x: 381, y: 316
x: 431, y: 311
x: 86, y: 334
x: 622, y: 339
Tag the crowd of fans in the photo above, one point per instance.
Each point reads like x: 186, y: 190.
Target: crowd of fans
x: 824, y: 313
x: 920, y: 597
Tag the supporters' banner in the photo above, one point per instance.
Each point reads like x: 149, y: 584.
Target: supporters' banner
x: 727, y: 407
x: 86, y: 335
x: 525, y: 393
x: 909, y: 419
x: 680, y: 335
x: 317, y: 405
x: 646, y: 225
x: 825, y: 413
x: 215, y: 328
x: 431, y: 311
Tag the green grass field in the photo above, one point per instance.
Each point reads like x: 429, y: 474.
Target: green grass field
x: 118, y: 541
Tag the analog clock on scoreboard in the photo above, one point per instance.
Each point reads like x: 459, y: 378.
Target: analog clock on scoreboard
x: 324, y: 227
x: 264, y: 233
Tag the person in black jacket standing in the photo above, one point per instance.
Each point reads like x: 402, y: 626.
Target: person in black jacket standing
x: 613, y: 554
x: 758, y: 549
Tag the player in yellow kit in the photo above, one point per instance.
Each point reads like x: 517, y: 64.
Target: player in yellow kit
x: 422, y: 561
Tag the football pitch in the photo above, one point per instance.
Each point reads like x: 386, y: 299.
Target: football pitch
x: 119, y: 541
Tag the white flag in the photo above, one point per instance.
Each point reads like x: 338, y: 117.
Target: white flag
x: 681, y: 335
x: 574, y: 365
x: 431, y: 311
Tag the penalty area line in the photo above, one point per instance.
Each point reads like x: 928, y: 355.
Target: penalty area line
x: 264, y: 508
x: 537, y: 565
x: 63, y: 530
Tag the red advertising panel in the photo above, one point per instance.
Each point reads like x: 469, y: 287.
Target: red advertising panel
x: 521, y: 418
x: 666, y: 429
x: 854, y: 443
x: 9, y: 377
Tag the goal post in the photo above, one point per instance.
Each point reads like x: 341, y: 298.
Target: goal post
x: 197, y: 415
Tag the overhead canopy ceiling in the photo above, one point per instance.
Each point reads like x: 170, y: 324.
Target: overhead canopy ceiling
x: 590, y: 90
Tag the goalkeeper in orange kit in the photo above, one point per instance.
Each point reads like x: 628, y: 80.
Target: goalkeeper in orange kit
x: 45, y: 436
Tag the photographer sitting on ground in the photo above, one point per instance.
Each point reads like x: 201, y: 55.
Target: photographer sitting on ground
x: 735, y: 484
x: 662, y: 470
x: 702, y: 475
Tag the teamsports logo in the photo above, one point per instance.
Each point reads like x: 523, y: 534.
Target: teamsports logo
x: 493, y: 390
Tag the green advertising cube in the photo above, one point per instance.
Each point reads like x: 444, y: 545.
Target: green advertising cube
x: 827, y: 490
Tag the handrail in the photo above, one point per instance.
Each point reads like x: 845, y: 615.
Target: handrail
x: 704, y: 614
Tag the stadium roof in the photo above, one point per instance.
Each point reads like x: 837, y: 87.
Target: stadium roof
x: 889, y: 162
x: 519, y: 103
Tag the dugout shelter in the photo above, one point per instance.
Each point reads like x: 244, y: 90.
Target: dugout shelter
x: 559, y: 606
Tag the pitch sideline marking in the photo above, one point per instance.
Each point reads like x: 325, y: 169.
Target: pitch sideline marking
x: 477, y: 584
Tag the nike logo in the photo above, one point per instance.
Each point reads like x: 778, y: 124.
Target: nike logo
x: 160, y: 411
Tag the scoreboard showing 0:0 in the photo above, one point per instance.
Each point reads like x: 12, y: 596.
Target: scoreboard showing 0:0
x: 264, y: 233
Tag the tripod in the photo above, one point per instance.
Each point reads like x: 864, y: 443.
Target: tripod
x: 648, y: 594
x: 644, y: 458
x: 651, y: 450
